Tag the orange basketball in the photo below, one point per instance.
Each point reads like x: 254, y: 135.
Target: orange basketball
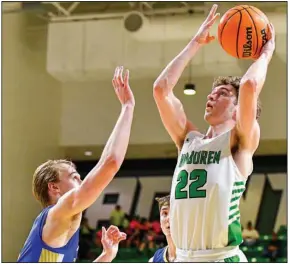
x: 243, y: 31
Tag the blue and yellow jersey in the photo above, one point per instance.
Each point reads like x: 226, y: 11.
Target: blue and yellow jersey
x: 160, y: 255
x: 35, y: 250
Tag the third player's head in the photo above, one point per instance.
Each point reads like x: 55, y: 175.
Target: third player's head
x: 164, y: 208
x: 222, y: 102
x: 53, y: 179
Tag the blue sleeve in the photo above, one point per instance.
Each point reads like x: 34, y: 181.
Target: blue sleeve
x: 158, y: 256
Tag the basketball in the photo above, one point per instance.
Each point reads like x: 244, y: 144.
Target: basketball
x: 243, y: 31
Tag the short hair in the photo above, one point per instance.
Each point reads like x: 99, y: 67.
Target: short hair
x: 235, y: 81
x: 162, y: 201
x: 44, y: 174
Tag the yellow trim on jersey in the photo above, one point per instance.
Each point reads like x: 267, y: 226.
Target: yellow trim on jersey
x: 164, y: 254
x: 49, y: 256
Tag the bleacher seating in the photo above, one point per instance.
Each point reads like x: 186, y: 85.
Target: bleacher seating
x: 253, y: 253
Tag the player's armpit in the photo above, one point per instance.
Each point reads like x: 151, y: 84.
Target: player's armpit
x: 173, y: 116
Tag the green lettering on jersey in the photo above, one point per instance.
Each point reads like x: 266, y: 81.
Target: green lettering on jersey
x: 210, y: 157
x: 196, y: 157
x: 200, y: 157
x: 203, y: 157
x: 217, y: 157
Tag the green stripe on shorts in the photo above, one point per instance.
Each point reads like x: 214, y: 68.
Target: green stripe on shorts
x: 232, y: 259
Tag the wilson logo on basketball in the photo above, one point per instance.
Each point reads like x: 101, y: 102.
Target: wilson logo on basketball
x: 264, y: 37
x: 247, y: 47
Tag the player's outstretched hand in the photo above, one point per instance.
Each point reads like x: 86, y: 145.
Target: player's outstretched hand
x: 111, y: 239
x: 203, y: 36
x: 122, y: 87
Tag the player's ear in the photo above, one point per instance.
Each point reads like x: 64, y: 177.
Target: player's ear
x: 53, y: 187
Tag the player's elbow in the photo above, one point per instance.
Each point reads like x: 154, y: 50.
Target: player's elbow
x: 112, y: 163
x: 249, y: 85
x: 159, y: 89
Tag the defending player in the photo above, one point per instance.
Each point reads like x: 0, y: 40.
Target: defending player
x: 54, y: 236
x: 165, y: 254
x: 212, y: 168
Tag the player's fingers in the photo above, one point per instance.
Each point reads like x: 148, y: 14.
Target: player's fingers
x: 212, y: 21
x: 126, y: 77
x: 123, y: 235
x: 114, y: 83
x: 212, y: 11
x: 210, y: 38
x: 117, y: 76
x: 113, y: 228
x: 103, y: 233
x: 120, y: 76
x: 272, y: 30
x: 270, y: 34
x: 121, y: 239
x: 116, y: 73
x: 115, y: 234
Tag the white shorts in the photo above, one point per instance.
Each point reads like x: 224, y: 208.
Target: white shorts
x: 233, y: 255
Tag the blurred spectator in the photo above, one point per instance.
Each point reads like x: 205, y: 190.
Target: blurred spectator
x: 156, y: 227
x: 147, y: 240
x: 250, y: 235
x: 117, y: 217
x: 134, y: 223
x: 126, y: 222
x: 98, y: 238
x: 144, y: 228
x: 273, y: 249
x: 85, y: 229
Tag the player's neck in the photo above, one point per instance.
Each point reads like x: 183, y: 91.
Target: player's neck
x: 216, y: 130
x: 171, y: 248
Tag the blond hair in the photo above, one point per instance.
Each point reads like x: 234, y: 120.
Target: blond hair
x: 44, y: 174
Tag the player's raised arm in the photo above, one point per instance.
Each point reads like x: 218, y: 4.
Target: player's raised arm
x: 169, y: 106
x: 78, y: 199
x: 250, y: 88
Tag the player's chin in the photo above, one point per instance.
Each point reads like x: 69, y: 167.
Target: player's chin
x: 207, y: 116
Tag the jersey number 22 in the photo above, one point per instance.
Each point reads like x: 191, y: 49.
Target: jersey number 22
x: 199, y: 178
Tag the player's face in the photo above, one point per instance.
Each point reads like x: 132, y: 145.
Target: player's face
x: 221, y: 105
x: 69, y: 179
x: 164, y: 220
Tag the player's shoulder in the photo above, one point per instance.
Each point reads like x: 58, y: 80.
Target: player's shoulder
x: 42, y: 216
x: 191, y: 135
x: 160, y: 255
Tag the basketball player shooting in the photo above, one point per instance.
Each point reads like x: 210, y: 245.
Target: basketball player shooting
x: 54, y: 236
x: 212, y: 168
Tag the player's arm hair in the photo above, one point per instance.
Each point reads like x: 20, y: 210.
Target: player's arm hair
x: 250, y: 88
x: 78, y: 199
x: 169, y: 106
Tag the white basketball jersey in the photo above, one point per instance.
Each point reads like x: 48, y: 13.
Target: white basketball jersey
x: 205, y: 193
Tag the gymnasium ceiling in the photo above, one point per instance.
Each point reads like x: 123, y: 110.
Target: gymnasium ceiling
x: 40, y: 13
